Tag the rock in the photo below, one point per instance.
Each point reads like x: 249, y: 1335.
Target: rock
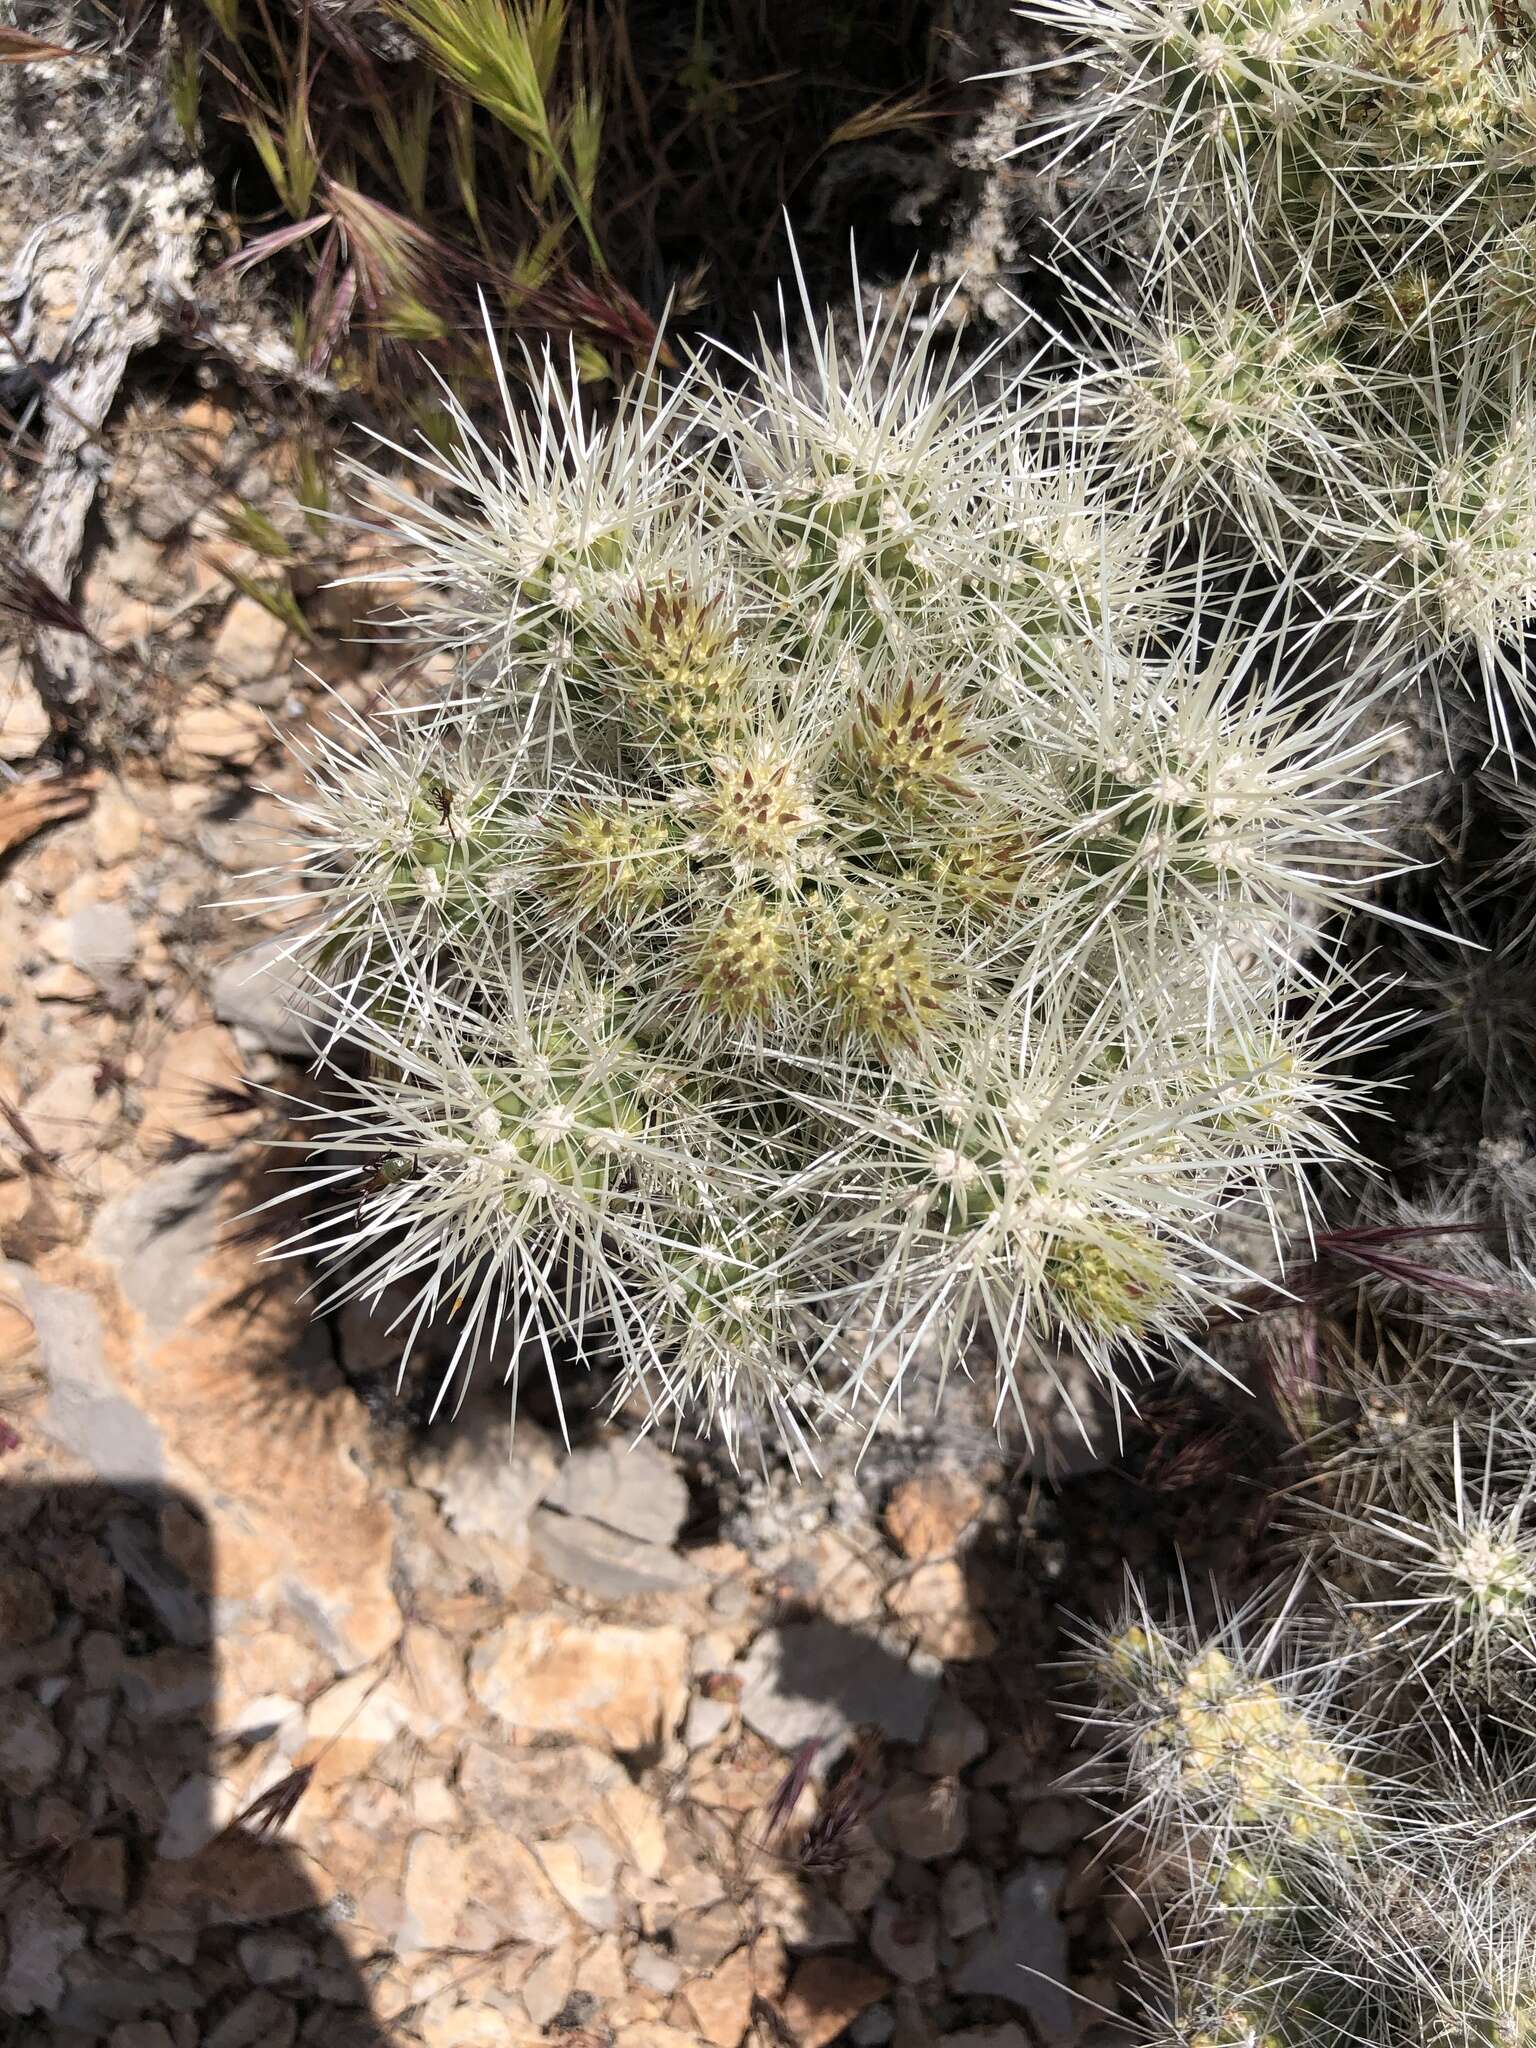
x: 232, y: 734
x: 827, y: 1994
x: 26, y: 1608
x: 1048, y: 1827
x: 260, y: 2020
x: 237, y: 1879
x: 40, y: 1937
x: 102, y: 940
x: 654, y: 2034
x: 904, y: 1940
x: 806, y: 1919
x: 251, y: 642
x: 864, y: 1876
x: 352, y: 1720
x: 469, y: 2024
x: 142, y: 2034
x: 103, y: 1990
x: 274, y: 1958
x: 705, y: 1936
x: 476, y: 1894
x: 721, y: 2003
x: 24, y: 721
x: 1009, y: 2035
x: 925, y: 1820
x: 600, y: 1973
x: 195, y: 1812
x: 1024, y: 1959
x: 582, y: 1553
x: 847, y: 1591
x: 927, y: 1514
x: 180, y: 1606
x: 625, y: 1686
x: 730, y: 1601
x: 934, y: 1601
x: 117, y: 824
x: 956, y: 1738
x: 69, y: 1113
x: 813, y: 1680
x: 197, y: 1092
x: 157, y: 1340
x: 532, y: 1794
x: 634, y: 1488
x: 654, y: 1970
x: 64, y: 984
x: 581, y: 1867
x: 167, y: 1685
x: 707, y: 1719
x: 965, y: 1902
x: 31, y: 1748
x: 549, y: 1984
x: 264, y: 996
x: 95, y: 1874
x: 487, y: 1480
x: 874, y: 2028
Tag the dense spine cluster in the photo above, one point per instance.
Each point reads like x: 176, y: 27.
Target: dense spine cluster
x: 846, y: 896
x: 1327, y: 217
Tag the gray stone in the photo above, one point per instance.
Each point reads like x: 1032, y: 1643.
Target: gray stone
x: 191, y: 1820
x: 813, y: 1680
x: 31, y: 1748
x: 159, y: 1235
x: 487, y: 1480
x: 142, y: 2034
x: 168, y: 1685
x: 904, y: 1940
x: 582, y: 1553
x: 102, y: 940
x: 925, y: 1818
x: 654, y: 1970
x: 176, y: 1601
x: 102, y: 1991
x: 530, y: 1794
x: 873, y: 2027
x: 965, y: 1903
x: 26, y: 1608
x: 95, y: 1874
x: 956, y: 1738
x: 1024, y: 1959
x: 707, y: 1719
x: 266, y: 997
x: 86, y: 1411
x: 634, y: 1488
x: 41, y: 1936
x: 260, y: 2020
x: 1049, y: 1826
x: 730, y: 1601
x: 1009, y: 2035
x: 274, y: 1958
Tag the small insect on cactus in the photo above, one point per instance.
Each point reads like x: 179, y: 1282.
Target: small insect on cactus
x: 836, y: 904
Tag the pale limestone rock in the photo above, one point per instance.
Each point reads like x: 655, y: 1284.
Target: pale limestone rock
x: 625, y: 1686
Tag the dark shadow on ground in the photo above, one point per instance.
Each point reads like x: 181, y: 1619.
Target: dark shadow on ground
x: 120, y: 1900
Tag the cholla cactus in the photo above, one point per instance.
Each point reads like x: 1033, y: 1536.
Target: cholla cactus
x: 1330, y: 216
x: 842, y: 898
x: 1233, y: 1770
x: 1336, y: 1805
